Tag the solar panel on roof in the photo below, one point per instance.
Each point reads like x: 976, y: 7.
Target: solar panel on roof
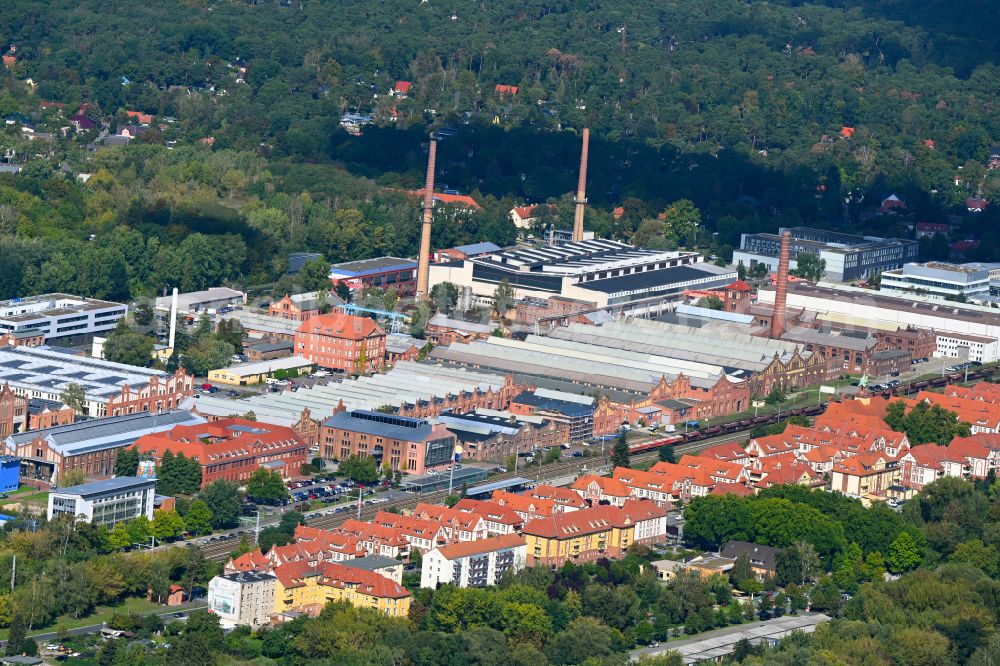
x: 44, y: 369
x: 16, y: 377
x: 13, y: 363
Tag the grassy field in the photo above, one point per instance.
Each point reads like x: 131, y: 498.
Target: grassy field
x: 103, y: 614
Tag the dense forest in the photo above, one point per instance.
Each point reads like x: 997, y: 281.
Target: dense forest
x: 738, y: 106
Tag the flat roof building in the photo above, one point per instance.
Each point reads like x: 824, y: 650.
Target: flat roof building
x: 212, y: 298
x: 407, y: 444
x: 600, y: 271
x: 865, y: 307
x: 938, y: 280
x: 381, y: 272
x: 58, y: 316
x: 248, y: 374
x: 106, y: 502
x: 847, y: 256
x: 243, y: 598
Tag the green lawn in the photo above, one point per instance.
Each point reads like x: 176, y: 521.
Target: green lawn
x: 103, y: 614
x: 35, y: 498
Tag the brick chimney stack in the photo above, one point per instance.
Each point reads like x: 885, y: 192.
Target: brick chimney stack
x: 423, y: 259
x: 581, y: 189
x: 781, y: 289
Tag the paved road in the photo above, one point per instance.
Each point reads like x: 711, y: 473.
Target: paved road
x: 719, y: 642
x: 562, y: 472
x: 94, y: 628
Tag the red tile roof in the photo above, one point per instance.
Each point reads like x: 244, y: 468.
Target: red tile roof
x: 571, y: 524
x: 503, y: 89
x: 461, y: 199
x: 403, y: 86
x: 462, y: 549
x: 608, y: 487
x: 340, y: 325
x: 731, y: 489
x: 561, y: 496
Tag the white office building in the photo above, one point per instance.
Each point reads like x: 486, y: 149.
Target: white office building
x: 938, y: 280
x: 479, y: 563
x: 106, y: 502
x: 242, y: 598
x: 59, y: 315
x: 978, y: 348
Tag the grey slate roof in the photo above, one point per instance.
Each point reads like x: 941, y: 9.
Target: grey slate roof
x: 94, y: 435
x: 371, y: 562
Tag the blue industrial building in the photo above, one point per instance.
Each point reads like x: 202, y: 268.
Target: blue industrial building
x: 10, y: 473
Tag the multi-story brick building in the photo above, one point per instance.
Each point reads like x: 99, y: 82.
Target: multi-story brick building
x: 339, y: 341
x: 88, y: 446
x: 231, y: 449
x: 492, y: 435
x: 382, y: 272
x: 299, y: 307
x: 110, y: 389
x: 407, y: 444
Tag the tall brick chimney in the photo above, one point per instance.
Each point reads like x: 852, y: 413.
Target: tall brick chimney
x: 581, y: 189
x: 781, y: 289
x: 424, y: 258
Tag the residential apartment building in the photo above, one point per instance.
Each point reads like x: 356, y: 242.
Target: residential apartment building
x: 58, y: 316
x: 304, y: 588
x: 231, y: 449
x: 408, y: 444
x: 589, y: 534
x: 473, y: 564
x: 106, y: 502
x: 88, y: 446
x: 242, y: 599
x: 339, y: 341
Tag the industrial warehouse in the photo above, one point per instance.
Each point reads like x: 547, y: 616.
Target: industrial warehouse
x: 603, y: 272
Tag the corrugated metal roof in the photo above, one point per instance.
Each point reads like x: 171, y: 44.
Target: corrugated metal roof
x: 113, y: 431
x: 709, y: 313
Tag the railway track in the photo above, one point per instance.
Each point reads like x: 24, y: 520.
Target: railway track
x: 220, y: 550
x: 687, y: 443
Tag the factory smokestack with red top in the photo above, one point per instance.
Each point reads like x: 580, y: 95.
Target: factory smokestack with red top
x: 423, y: 260
x: 781, y: 289
x: 581, y: 189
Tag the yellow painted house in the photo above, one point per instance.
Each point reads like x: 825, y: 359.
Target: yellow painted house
x: 308, y: 588
x: 589, y: 534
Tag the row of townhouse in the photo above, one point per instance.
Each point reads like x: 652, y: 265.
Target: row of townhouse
x: 852, y: 450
